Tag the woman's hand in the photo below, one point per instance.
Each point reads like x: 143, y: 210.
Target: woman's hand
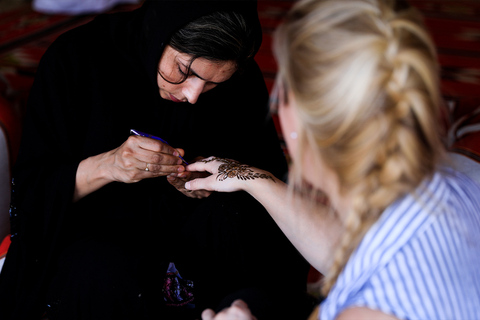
x: 179, y: 180
x: 141, y: 158
x: 237, y: 311
x: 226, y: 175
x: 136, y: 159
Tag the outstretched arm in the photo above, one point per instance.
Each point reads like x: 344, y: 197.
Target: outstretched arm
x: 312, y: 229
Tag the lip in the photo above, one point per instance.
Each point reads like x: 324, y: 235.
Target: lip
x: 174, y: 99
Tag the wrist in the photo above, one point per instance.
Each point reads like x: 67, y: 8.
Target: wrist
x: 91, y: 175
x: 258, y: 181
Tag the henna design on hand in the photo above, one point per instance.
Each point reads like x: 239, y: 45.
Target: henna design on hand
x: 232, y: 169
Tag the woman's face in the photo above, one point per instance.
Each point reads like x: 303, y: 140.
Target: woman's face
x: 203, y: 76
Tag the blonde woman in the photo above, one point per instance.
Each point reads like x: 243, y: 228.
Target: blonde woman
x: 359, y: 105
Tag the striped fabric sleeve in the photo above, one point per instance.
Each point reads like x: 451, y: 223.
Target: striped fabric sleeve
x: 420, y: 261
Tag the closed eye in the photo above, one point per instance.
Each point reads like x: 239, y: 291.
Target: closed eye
x: 191, y: 73
x: 182, y: 72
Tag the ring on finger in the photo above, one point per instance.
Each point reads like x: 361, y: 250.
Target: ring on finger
x: 146, y: 168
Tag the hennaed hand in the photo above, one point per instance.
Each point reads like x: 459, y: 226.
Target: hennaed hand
x: 237, y: 311
x: 226, y: 175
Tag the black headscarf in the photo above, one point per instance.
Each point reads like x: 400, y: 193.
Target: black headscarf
x: 147, y: 35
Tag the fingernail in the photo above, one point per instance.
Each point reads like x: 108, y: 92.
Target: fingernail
x: 176, y: 154
x: 187, y: 185
x: 181, y: 169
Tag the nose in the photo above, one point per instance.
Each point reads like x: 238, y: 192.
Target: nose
x: 192, y: 88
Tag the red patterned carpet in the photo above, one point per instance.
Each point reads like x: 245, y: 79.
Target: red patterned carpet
x: 454, y: 25
x: 455, y: 28
x: 24, y: 37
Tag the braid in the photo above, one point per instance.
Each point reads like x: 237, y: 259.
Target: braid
x: 410, y: 100
x: 365, y: 82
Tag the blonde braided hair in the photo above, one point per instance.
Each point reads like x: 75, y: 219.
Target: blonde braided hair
x: 364, y: 77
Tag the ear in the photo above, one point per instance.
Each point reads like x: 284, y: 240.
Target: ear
x: 289, y: 123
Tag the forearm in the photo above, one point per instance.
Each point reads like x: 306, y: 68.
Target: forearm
x: 312, y: 229
x: 90, y: 176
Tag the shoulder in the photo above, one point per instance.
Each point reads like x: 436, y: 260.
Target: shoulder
x: 68, y: 48
x: 419, y: 260
x: 84, y: 40
x: 462, y: 189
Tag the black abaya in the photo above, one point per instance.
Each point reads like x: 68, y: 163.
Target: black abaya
x: 105, y: 256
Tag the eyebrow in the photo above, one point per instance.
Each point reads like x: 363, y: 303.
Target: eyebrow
x: 196, y: 75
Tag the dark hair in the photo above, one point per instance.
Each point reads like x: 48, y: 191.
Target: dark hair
x: 219, y: 36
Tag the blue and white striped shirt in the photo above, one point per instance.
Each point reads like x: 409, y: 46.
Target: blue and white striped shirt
x: 421, y: 259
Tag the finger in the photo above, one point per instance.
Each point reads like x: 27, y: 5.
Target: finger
x: 240, y: 303
x: 199, y: 184
x: 196, y: 166
x: 180, y: 151
x: 172, y: 177
x: 159, y: 158
x: 144, y: 156
x: 235, y: 313
x: 208, y: 314
x: 164, y: 169
x: 152, y: 145
x: 184, y: 175
x: 239, y: 311
x: 202, y: 194
x: 204, y: 165
x: 159, y: 162
x: 174, y: 180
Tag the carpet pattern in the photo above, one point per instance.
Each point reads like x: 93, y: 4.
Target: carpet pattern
x: 454, y: 25
x: 455, y: 29
x: 24, y: 37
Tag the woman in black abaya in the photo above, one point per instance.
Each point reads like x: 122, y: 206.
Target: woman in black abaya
x: 102, y: 227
